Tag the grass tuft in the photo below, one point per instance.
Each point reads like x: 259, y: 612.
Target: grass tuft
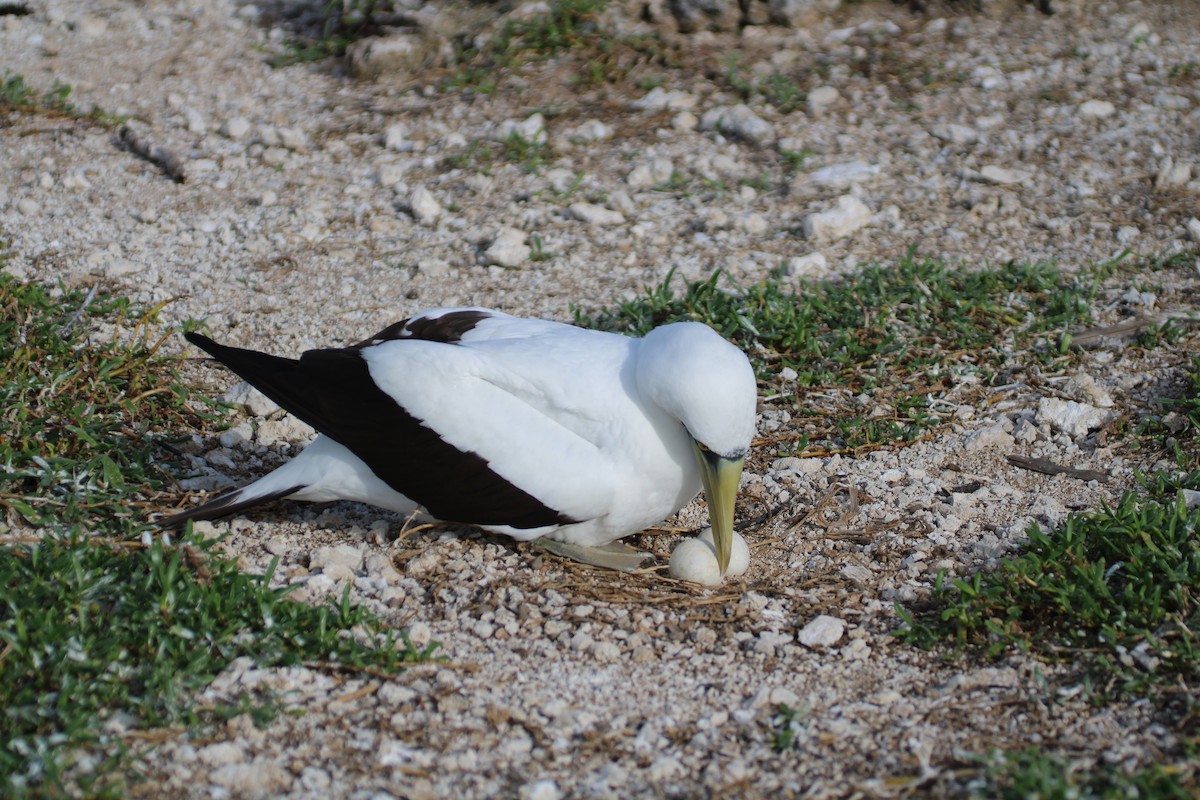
x: 92, y: 622
x: 1019, y: 775
x: 1117, y: 589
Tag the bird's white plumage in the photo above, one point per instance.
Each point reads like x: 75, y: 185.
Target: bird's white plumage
x: 596, y: 426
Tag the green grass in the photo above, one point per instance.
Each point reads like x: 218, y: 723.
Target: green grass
x: 901, y: 333
x: 93, y: 628
x: 776, y: 89
x: 18, y: 96
x: 481, y: 155
x: 93, y: 622
x: 908, y: 321
x: 1036, y: 774
x: 788, y: 722
x: 1115, y: 588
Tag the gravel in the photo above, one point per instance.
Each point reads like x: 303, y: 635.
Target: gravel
x: 319, y: 207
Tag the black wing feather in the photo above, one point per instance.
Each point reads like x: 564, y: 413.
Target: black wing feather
x: 332, y: 391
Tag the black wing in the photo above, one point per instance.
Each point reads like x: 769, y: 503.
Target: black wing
x: 332, y: 391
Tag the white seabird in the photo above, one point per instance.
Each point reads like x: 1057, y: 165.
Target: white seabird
x: 530, y: 428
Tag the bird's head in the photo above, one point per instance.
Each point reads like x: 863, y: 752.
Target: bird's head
x: 706, y: 383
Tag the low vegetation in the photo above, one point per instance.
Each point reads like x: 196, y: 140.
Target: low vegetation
x: 103, y: 619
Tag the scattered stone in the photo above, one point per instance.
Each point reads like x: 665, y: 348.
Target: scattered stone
x: 841, y: 176
x: 822, y: 631
x: 1172, y: 174
x: 651, y: 173
x: 532, y: 129
x: 539, y: 790
x: 847, y: 216
x: 425, y: 208
x: 400, y: 55
x: 991, y: 437
x: 396, y: 138
x: 1193, y: 229
x: 592, y: 130
x: 739, y: 122
x: 343, y: 555
x: 803, y: 266
x: 1175, y: 102
x: 955, y: 134
x: 1004, y: 176
x: 821, y: 98
x: 595, y: 215
x: 1097, y: 109
x: 508, y: 249
x: 236, y: 128
x: 659, y: 99
x: 1072, y: 418
x: 251, y: 400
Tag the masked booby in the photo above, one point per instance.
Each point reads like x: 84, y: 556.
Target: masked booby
x: 525, y: 427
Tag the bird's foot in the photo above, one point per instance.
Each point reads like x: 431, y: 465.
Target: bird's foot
x: 613, y: 555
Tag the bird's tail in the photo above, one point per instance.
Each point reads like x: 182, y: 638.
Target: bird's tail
x: 261, y: 491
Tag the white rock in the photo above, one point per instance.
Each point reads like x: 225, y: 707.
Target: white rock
x: 841, y: 176
x: 955, y: 133
x: 254, y: 402
x: 800, y: 266
x: 1172, y: 174
x: 402, y: 54
x: 28, y: 206
x: 1096, y: 109
x: 396, y: 138
x: 508, y: 249
x: 539, y: 790
x: 1176, y: 102
x: 236, y: 128
x: 754, y: 224
x: 651, y: 173
x: 195, y: 121
x: 1127, y: 233
x: 822, y: 631
x: 420, y: 634
x: 593, y: 214
x: 275, y: 156
x: 592, y: 130
x: 424, y: 206
x: 260, y: 778
x: 285, y: 429
x: 344, y: 555
x: 1004, y: 176
x: 658, y: 99
x: 858, y: 574
x: 1084, y: 386
x: 531, y: 129
x: 772, y: 697
x: 1193, y: 229
x: 849, y: 215
x: 685, y: 121
x: 91, y: 27
x: 821, y: 98
x: 769, y: 641
x: 991, y: 437
x: 1072, y: 418
x: 738, y: 121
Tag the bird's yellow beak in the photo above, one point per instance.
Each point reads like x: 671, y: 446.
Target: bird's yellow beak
x: 721, y: 477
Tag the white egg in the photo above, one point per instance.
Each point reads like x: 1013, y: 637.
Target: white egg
x: 695, y: 559
x: 739, y: 552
